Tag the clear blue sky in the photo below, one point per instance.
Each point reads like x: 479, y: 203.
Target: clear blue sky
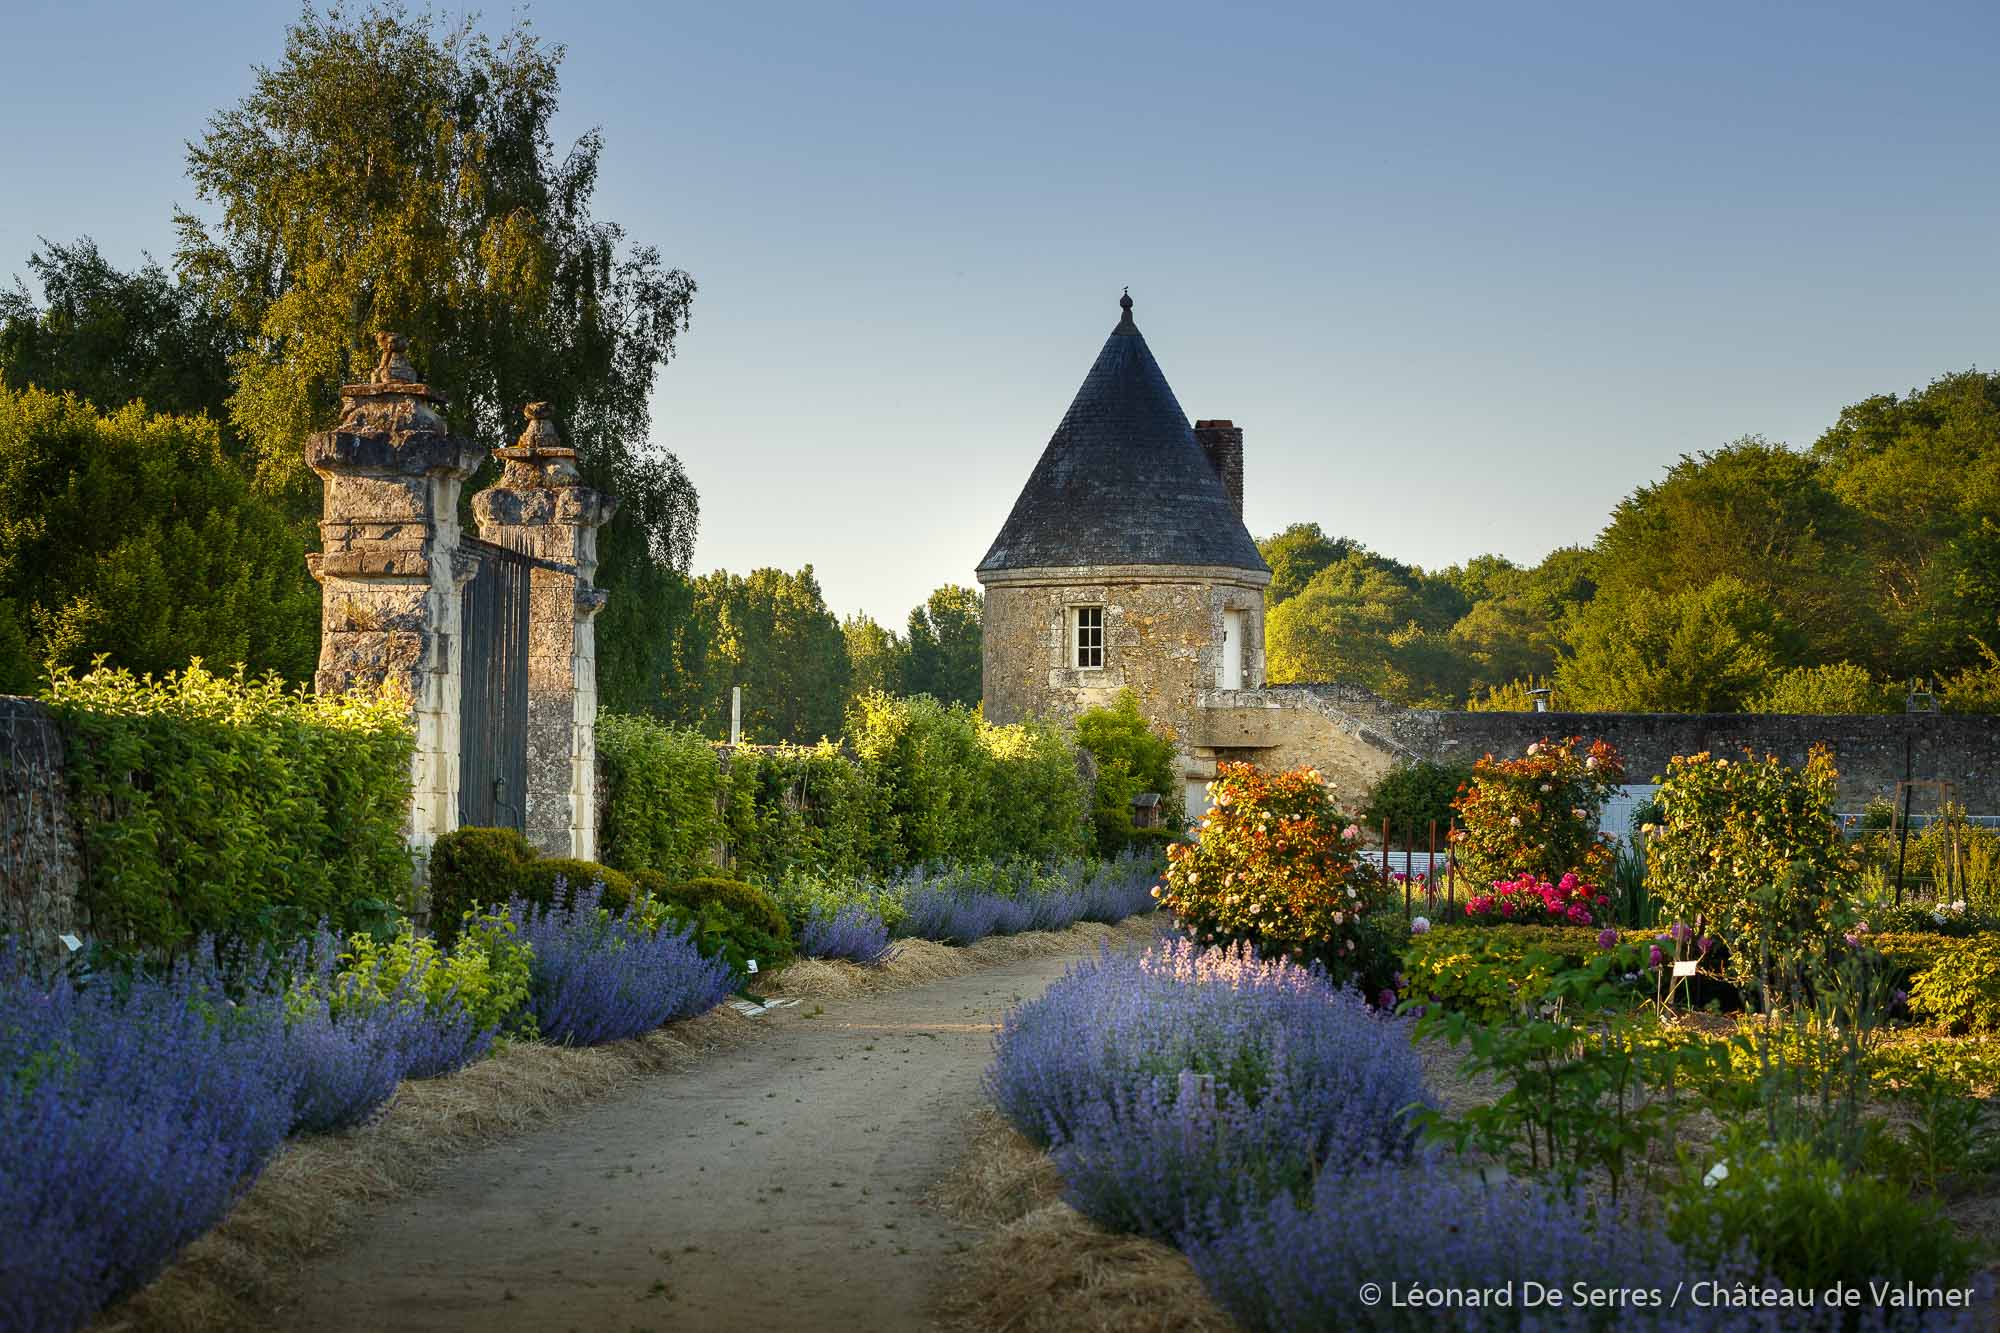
x: 1465, y: 274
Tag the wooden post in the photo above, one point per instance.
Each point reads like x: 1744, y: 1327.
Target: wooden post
x: 1385, y: 851
x: 1431, y: 871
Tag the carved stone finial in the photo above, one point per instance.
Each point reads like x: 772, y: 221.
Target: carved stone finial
x: 394, y: 366
x: 540, y: 457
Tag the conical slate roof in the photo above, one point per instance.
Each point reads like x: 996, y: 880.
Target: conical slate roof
x: 1122, y: 481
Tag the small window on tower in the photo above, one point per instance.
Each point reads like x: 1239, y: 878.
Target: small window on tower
x: 1088, y: 637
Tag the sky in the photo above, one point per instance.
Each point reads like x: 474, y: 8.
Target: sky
x: 1465, y: 274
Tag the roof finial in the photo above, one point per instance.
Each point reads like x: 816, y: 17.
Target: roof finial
x: 1125, y: 324
x: 1125, y: 301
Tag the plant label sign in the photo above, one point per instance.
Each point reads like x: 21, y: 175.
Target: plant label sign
x: 1685, y: 968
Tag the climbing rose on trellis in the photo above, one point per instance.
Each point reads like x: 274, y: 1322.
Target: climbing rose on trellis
x: 1537, y: 815
x: 1275, y: 866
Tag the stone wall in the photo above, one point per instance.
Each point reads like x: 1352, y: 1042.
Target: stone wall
x: 1963, y: 750
x: 1162, y: 640
x: 41, y: 868
x: 1353, y: 737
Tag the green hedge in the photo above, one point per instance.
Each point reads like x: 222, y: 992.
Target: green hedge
x: 925, y: 782
x: 219, y: 804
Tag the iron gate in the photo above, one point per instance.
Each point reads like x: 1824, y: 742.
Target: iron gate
x: 493, y: 691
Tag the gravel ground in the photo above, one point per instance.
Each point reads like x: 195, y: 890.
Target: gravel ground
x: 773, y: 1187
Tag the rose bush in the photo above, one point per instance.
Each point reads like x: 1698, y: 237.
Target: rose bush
x: 1531, y: 900
x: 1274, y: 866
x: 1537, y: 815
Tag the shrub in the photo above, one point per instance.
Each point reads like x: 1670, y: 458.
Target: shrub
x: 1274, y: 868
x: 1185, y: 1079
x: 1530, y: 900
x: 1809, y: 1222
x: 792, y: 807
x: 955, y: 788
x: 1292, y: 1264
x: 599, y: 977
x: 223, y: 805
x: 854, y: 932
x: 1131, y: 758
x: 1414, y: 794
x: 485, y: 973
x: 756, y: 925
x: 130, y: 1117
x: 1748, y: 850
x: 1960, y: 989
x: 661, y: 788
x: 541, y: 881
x: 471, y: 868
x: 1538, y: 814
x: 1488, y: 972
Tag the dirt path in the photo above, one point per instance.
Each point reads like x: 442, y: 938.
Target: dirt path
x: 773, y: 1189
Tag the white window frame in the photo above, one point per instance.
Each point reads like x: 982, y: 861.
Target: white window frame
x: 1086, y: 640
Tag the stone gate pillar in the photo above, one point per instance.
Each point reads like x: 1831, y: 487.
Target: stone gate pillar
x: 540, y: 509
x: 390, y: 567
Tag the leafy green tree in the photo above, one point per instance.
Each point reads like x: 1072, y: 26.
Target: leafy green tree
x: 945, y: 646
x: 1976, y: 689
x: 1359, y: 620
x: 1505, y: 639
x: 1295, y: 555
x: 1838, y: 687
x: 1131, y: 758
x: 1563, y: 584
x: 1761, y: 514
x: 114, y: 338
x: 398, y: 172
x: 1924, y: 469
x: 1413, y: 795
x: 879, y: 657
x: 1700, y: 650
x: 771, y: 633
x: 130, y: 535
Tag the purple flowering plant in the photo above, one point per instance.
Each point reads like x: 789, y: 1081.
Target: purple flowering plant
x: 1182, y: 1078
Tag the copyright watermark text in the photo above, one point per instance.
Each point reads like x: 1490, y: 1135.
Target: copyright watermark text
x: 1700, y: 1295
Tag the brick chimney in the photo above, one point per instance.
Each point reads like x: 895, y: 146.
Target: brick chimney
x: 1222, y: 441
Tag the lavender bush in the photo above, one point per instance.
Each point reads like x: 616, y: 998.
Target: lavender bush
x: 964, y: 904
x: 854, y: 932
x: 130, y: 1116
x: 1290, y: 1265
x: 1180, y: 1080
x: 598, y: 977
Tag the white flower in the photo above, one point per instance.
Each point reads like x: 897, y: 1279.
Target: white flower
x: 1577, y: 811
x: 1350, y: 891
x: 1590, y: 762
x: 1716, y: 1175
x: 1337, y: 918
x: 1536, y: 748
x: 1420, y: 925
x: 1514, y: 820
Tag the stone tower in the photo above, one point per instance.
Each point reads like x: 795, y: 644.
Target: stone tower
x: 1125, y: 563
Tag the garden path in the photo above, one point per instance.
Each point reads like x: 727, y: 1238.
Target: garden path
x: 773, y: 1187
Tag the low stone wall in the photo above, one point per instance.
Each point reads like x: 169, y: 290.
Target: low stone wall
x: 41, y: 868
x: 1963, y: 750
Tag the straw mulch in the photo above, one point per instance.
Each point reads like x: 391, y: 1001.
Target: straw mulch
x: 1043, y: 1267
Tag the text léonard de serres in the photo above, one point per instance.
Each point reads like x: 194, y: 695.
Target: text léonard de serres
x: 1529, y: 1294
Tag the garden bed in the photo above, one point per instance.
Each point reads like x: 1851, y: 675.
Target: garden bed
x: 317, y: 1187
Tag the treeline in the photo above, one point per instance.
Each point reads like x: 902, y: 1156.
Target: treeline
x: 156, y: 501
x: 1754, y: 577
